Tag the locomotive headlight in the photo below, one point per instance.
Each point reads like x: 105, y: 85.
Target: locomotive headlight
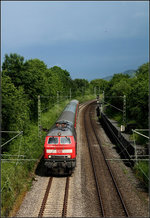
x: 49, y: 156
x: 69, y: 156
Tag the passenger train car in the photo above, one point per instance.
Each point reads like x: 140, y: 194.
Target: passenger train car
x: 60, y: 148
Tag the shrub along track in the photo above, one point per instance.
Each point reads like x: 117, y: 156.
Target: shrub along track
x: 55, y: 198
x: 111, y: 201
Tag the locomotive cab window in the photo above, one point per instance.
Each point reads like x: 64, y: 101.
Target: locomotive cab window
x: 65, y: 140
x: 53, y: 140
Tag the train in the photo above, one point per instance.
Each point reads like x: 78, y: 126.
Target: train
x: 60, y: 148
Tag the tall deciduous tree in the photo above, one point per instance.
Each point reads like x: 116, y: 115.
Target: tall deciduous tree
x: 12, y: 66
x: 136, y: 90
x: 138, y: 97
x: 80, y: 86
x: 34, y: 81
x: 15, y: 110
x: 99, y: 84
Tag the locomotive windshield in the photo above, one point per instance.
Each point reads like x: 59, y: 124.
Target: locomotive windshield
x: 53, y: 140
x: 65, y: 140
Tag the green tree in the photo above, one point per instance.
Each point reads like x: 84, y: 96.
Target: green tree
x: 62, y: 79
x: 34, y: 82
x: 137, y: 93
x: 138, y: 96
x: 12, y: 66
x: 80, y: 86
x: 117, y: 87
x: 143, y: 70
x: 15, y: 110
x: 30, y: 75
x: 99, y: 84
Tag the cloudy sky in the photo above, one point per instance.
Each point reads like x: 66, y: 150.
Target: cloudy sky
x: 90, y: 39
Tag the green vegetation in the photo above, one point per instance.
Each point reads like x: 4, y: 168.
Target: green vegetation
x: 22, y: 82
x: 137, y: 94
x: 17, y: 176
x: 142, y: 172
x: 100, y: 84
x: 14, y: 175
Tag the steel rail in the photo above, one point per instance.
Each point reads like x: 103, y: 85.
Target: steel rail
x: 64, y: 211
x: 110, y: 171
x: 94, y: 171
x: 45, y: 197
x: 43, y: 205
x: 85, y: 104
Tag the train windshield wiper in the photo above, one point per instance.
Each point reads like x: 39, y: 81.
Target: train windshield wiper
x: 67, y: 138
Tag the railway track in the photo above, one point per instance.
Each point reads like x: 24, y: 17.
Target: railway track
x: 82, y: 105
x: 110, y: 199
x: 55, y: 198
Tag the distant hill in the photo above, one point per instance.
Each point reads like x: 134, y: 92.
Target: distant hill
x: 131, y: 73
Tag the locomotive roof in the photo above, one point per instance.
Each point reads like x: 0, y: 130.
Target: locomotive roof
x: 67, y: 116
x: 55, y: 132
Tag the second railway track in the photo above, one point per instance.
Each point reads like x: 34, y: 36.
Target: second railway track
x: 110, y: 198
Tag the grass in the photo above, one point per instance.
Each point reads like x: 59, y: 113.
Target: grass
x: 140, y: 139
x: 114, y: 115
x: 48, y: 118
x: 125, y: 171
x: 13, y: 181
x: 15, y: 176
x: 82, y: 99
x: 141, y: 170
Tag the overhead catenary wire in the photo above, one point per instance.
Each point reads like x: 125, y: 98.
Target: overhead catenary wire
x: 12, y: 138
x: 19, y: 160
x: 12, y: 155
x: 135, y: 130
x: 10, y: 131
x: 113, y: 106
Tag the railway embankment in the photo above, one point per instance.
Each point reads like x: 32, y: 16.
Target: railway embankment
x: 133, y: 155
x: 124, y: 145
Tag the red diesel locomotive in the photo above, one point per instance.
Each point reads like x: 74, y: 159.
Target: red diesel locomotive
x: 60, y: 148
